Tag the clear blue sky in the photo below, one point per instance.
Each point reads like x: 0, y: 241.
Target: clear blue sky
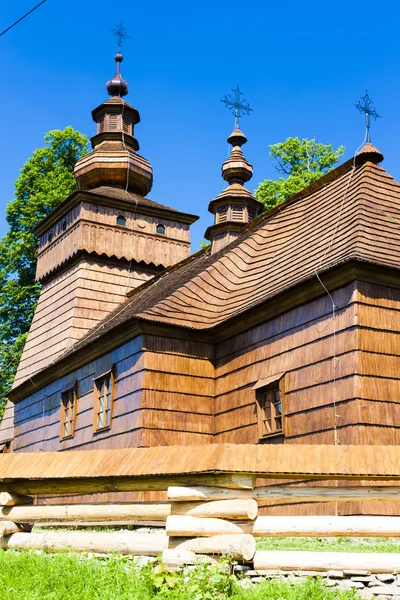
x: 302, y: 66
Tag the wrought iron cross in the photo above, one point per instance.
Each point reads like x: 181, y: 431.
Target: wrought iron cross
x: 366, y: 106
x: 239, y: 107
x: 121, y: 35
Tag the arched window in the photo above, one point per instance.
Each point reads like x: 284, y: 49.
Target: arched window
x: 50, y: 238
x: 64, y: 225
x: 121, y: 220
x: 160, y: 229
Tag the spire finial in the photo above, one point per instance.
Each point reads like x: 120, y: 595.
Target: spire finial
x: 121, y: 34
x: 118, y: 86
x: 239, y: 107
x: 366, y: 106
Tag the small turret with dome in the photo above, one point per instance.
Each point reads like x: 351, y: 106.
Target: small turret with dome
x: 235, y: 206
x: 114, y: 160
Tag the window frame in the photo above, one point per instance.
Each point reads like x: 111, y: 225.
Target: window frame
x: 63, y: 412
x: 121, y: 217
x: 96, y: 404
x: 274, y: 383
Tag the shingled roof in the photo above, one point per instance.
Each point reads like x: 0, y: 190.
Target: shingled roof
x: 352, y: 213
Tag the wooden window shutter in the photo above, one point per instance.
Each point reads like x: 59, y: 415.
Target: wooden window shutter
x: 100, y: 124
x: 237, y: 213
x: 127, y: 126
x: 251, y: 212
x: 113, y: 122
x: 222, y: 214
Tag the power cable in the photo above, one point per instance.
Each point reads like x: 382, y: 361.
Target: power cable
x: 21, y: 19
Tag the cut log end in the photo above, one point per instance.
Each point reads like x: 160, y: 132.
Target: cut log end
x: 237, y: 546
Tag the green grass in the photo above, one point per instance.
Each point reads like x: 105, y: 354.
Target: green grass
x: 339, y: 544
x: 32, y: 576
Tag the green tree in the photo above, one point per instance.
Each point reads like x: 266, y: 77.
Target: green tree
x: 299, y: 163
x: 45, y: 180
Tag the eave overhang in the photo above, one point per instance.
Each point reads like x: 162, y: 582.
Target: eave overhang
x: 86, y: 196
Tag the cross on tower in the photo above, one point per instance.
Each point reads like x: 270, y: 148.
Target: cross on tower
x: 239, y: 107
x: 121, y: 35
x: 366, y: 106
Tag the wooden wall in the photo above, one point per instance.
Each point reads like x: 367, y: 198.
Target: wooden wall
x: 301, y: 344
x: 70, y: 305
x: 93, y: 228
x: 154, y: 403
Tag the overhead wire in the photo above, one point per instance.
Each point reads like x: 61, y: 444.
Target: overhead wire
x: 334, y: 307
x: 23, y: 17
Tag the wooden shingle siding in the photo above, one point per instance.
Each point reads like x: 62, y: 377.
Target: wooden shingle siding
x: 300, y: 344
x: 72, y: 304
x: 95, y: 229
x: 155, y: 403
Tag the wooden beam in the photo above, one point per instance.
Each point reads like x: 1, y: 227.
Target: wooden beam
x: 303, y: 494
x: 7, y: 499
x: 238, y: 546
x: 95, y: 485
x: 234, y: 509
x: 124, y: 513
x: 325, y: 526
x: 8, y: 527
x: 324, y: 561
x: 184, y: 526
x: 126, y: 542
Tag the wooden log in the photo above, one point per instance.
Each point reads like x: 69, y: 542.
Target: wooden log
x: 324, y: 561
x: 179, y: 558
x: 241, y: 509
x: 184, y: 526
x: 126, y: 542
x: 304, y: 494
x: 7, y: 499
x: 8, y: 527
x: 96, y: 485
x: 325, y: 526
x: 86, y: 513
x: 238, y: 546
x: 231, y: 509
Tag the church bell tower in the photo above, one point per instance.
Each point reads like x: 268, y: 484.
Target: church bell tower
x: 104, y: 239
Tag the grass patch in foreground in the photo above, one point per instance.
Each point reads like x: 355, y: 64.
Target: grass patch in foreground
x: 338, y: 544
x: 32, y: 576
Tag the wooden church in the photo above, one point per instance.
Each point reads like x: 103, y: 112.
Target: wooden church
x: 285, y: 330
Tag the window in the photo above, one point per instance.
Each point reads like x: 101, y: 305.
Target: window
x: 252, y: 213
x: 100, y: 124
x: 50, y: 238
x: 68, y: 414
x: 64, y: 225
x: 103, y: 400
x: 121, y: 220
x: 222, y: 214
x: 127, y: 125
x: 270, y: 414
x: 113, y: 122
x: 160, y: 229
x: 237, y: 213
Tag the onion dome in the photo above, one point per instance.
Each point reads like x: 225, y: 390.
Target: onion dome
x: 115, y: 160
x: 236, y: 206
x: 369, y: 153
x: 117, y: 86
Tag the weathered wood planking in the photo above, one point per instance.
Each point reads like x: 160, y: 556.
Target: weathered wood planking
x: 154, y: 404
x: 154, y: 468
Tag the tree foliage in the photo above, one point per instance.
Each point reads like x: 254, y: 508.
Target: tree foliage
x: 45, y: 180
x: 299, y: 163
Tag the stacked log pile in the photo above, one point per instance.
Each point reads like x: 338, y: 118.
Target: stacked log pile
x: 192, y: 527
x: 195, y: 522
